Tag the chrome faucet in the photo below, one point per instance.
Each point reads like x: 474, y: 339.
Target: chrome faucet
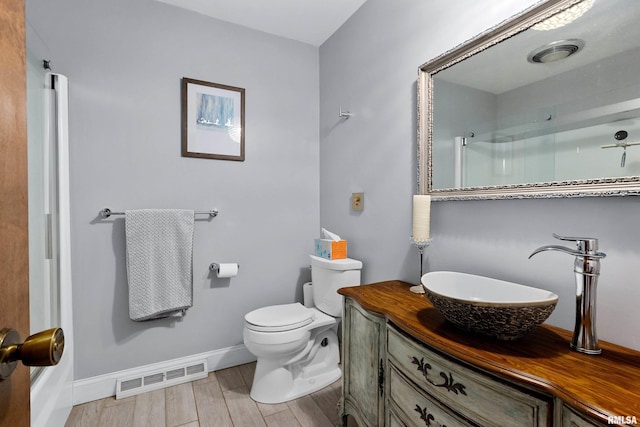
x: 587, y: 270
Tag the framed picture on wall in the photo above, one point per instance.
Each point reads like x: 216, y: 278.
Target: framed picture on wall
x: 212, y: 120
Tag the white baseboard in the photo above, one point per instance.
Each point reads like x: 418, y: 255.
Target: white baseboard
x: 101, y: 386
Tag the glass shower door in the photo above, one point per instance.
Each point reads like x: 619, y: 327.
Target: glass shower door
x: 44, y: 289
x: 49, y: 233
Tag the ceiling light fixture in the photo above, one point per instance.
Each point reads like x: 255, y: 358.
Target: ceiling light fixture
x: 555, y: 51
x: 565, y: 17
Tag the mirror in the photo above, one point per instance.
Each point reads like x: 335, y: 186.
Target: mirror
x: 545, y: 105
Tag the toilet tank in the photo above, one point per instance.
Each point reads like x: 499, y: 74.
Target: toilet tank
x: 329, y: 275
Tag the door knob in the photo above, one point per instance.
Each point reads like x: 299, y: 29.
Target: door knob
x: 41, y: 349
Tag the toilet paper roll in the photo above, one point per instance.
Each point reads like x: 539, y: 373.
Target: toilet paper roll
x: 307, y: 295
x: 227, y: 270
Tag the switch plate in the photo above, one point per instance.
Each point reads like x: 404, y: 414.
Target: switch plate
x: 357, y: 201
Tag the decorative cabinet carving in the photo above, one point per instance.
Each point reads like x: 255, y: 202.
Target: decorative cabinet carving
x: 363, y: 346
x: 404, y: 365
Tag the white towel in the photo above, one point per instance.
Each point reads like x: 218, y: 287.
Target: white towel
x: 159, y: 262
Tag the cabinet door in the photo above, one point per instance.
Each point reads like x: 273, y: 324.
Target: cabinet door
x: 363, y: 338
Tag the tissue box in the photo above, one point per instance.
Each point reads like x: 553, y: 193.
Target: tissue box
x: 331, y: 249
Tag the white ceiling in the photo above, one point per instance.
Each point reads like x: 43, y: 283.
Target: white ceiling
x: 308, y: 21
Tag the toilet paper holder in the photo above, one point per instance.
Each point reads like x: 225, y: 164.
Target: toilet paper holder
x: 215, y: 266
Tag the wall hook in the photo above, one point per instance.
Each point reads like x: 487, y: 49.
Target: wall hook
x: 344, y: 114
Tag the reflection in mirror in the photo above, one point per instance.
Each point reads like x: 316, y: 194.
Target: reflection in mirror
x: 546, y: 104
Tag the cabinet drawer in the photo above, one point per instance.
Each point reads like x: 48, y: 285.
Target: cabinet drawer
x: 417, y: 407
x: 394, y: 419
x: 571, y: 419
x: 474, y: 394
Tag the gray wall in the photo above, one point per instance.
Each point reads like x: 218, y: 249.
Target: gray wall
x: 370, y: 66
x: 125, y: 60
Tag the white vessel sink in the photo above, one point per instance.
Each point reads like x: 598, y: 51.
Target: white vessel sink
x: 497, y: 308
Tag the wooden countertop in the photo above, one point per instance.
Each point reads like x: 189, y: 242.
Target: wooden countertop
x: 597, y: 386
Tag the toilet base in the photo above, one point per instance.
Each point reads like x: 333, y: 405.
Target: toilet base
x: 275, y: 381
x: 301, y: 387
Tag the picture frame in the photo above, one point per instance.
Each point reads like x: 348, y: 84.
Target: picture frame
x: 212, y: 120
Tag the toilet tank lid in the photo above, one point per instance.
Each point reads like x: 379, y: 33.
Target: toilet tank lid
x: 336, y: 264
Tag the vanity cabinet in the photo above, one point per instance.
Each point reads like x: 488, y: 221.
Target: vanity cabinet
x: 404, y: 365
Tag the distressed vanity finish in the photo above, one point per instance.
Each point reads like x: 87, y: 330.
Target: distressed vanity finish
x: 404, y: 364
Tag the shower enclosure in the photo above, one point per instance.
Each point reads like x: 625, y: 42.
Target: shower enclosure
x: 49, y: 251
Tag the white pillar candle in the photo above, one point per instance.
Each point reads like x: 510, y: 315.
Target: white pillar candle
x: 421, y: 217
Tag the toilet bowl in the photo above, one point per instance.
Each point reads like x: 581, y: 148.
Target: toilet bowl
x: 297, y: 347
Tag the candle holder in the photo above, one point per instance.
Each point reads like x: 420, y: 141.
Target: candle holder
x: 421, y: 245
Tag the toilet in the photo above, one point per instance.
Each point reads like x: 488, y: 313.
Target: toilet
x: 296, y: 346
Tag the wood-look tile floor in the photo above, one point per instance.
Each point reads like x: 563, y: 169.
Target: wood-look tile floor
x: 220, y: 400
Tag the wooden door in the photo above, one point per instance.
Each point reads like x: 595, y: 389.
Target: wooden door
x: 14, y: 251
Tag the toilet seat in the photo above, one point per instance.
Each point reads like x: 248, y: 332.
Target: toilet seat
x: 279, y: 318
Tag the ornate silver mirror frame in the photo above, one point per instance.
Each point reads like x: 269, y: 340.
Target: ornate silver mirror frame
x: 628, y: 185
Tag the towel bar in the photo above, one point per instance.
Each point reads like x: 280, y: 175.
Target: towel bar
x: 106, y: 213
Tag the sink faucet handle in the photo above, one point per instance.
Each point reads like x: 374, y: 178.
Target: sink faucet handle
x: 587, y: 245
x: 575, y: 239
x: 584, y: 243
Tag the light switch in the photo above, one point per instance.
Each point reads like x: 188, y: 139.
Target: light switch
x: 357, y: 201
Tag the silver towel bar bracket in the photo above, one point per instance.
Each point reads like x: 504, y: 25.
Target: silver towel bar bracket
x: 106, y: 213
